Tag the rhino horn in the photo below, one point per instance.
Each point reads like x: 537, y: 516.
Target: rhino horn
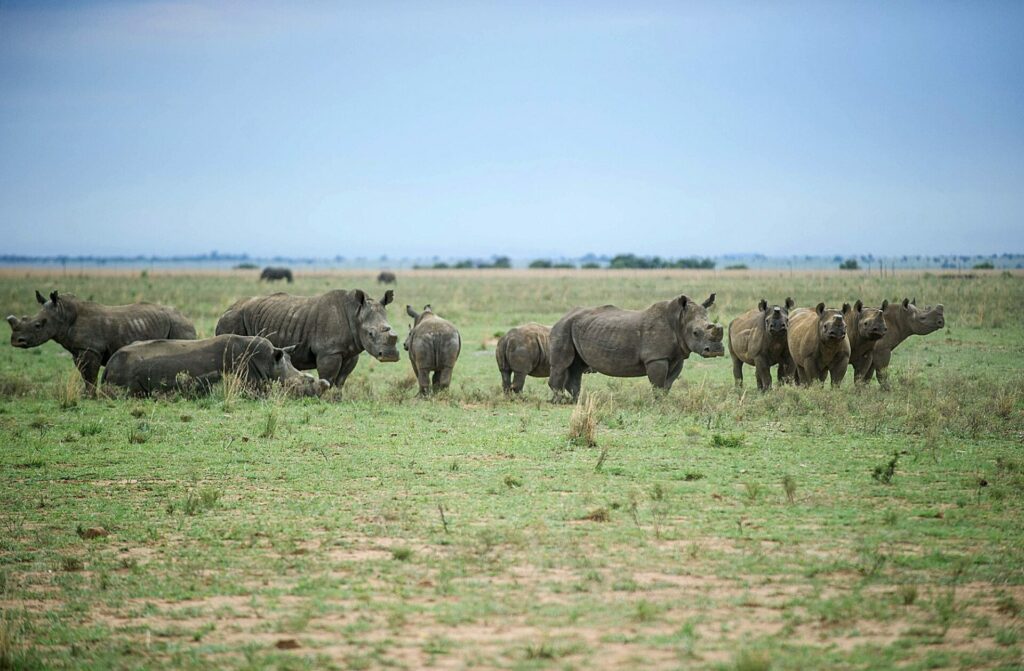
x: 709, y: 302
x: 39, y: 298
x: 12, y: 320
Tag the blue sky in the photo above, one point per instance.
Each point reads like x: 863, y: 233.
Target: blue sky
x: 529, y: 129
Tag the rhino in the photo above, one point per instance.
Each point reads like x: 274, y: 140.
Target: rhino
x: 759, y: 338
x: 433, y: 345
x: 93, y: 332
x: 902, y: 320
x: 150, y: 366
x: 818, y: 344
x: 523, y: 351
x: 386, y: 277
x: 329, y: 330
x: 864, y: 328
x: 272, y: 274
x: 630, y: 343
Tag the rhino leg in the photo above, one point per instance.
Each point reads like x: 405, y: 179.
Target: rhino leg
x: 518, y: 380
x: 787, y: 370
x: 423, y: 377
x: 575, y: 378
x: 657, y: 373
x: 335, y: 369
x: 764, y: 373
x: 442, y: 378
x: 88, y: 365
x: 837, y: 371
x: 737, y: 371
x: 506, y: 380
x: 880, y: 368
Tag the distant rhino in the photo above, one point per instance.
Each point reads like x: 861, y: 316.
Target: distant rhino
x: 902, y: 320
x: 329, y: 331
x: 93, y: 332
x: 196, y: 365
x: 272, y: 274
x: 818, y: 344
x: 386, y: 277
x: 759, y: 338
x: 864, y: 328
x: 520, y: 352
x: 433, y: 345
x: 631, y: 343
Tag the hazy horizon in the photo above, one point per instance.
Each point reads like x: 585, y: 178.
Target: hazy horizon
x: 176, y: 127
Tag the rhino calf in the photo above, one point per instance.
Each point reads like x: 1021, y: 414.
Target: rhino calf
x: 92, y: 332
x: 902, y: 320
x: 818, y: 344
x: 433, y: 345
x: 272, y: 274
x: 196, y: 365
x: 864, y: 328
x: 523, y: 351
x: 759, y: 338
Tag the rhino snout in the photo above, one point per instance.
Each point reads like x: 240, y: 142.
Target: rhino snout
x: 713, y: 349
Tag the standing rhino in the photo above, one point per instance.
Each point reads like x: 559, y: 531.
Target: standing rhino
x: 864, y: 328
x: 631, y: 343
x: 760, y: 338
x: 902, y: 320
x: 433, y: 345
x: 272, y: 274
x: 386, y: 277
x: 523, y: 351
x: 195, y: 365
x: 818, y: 344
x: 329, y: 331
x: 93, y: 332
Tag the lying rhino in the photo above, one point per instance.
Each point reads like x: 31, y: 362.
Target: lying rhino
x: 522, y: 351
x: 328, y: 331
x: 196, y: 365
x: 433, y: 345
x: 386, y: 277
x: 631, y: 343
x: 93, y: 332
x: 272, y: 274
x: 760, y: 338
x: 818, y: 344
x: 864, y: 328
x: 902, y: 320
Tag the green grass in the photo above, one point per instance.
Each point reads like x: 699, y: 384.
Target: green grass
x: 708, y: 528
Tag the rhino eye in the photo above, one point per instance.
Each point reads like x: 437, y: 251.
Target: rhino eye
x: 40, y: 324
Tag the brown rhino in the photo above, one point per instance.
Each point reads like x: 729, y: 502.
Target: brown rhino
x: 818, y: 344
x: 759, y: 338
x: 152, y: 366
x: 433, y: 345
x: 902, y: 320
x: 522, y: 351
x: 329, y: 331
x: 864, y: 328
x: 93, y: 332
x: 631, y: 343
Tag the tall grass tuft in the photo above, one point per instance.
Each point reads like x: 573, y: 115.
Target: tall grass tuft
x: 68, y: 390
x: 583, y: 422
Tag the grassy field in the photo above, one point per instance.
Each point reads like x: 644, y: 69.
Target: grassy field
x: 710, y: 528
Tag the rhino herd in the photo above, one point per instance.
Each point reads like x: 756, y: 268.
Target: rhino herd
x: 149, y: 348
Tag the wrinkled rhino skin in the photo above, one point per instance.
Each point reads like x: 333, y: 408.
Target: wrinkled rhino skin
x: 92, y: 332
x: 630, y: 343
x: 759, y: 338
x: 521, y: 352
x: 433, y: 344
x: 864, y: 328
x: 272, y: 274
x: 818, y: 344
x: 329, y: 331
x: 387, y: 277
x: 150, y: 366
x: 902, y: 320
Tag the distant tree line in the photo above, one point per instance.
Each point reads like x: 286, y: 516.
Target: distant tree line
x: 634, y: 261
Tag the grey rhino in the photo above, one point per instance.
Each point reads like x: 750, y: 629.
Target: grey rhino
x: 386, y: 277
x: 902, y: 320
x: 93, y: 332
x: 864, y: 328
x: 818, y: 344
x: 433, y: 345
x: 152, y: 366
x: 631, y: 343
x: 759, y: 338
x: 523, y: 351
x: 271, y: 274
x: 329, y: 331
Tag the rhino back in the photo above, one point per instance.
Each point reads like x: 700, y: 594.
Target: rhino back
x: 747, y: 336
x: 106, y: 329
x: 610, y: 339
x: 436, y: 344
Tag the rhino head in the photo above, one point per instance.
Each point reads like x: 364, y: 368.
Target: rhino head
x: 292, y: 379
x: 831, y: 324
x: 375, y: 333
x: 776, y: 318
x: 869, y: 322
x: 53, y: 316
x: 694, y: 331
x: 922, y: 321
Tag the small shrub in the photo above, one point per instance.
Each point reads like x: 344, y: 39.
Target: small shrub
x: 692, y: 476
x: 270, y: 423
x: 727, y: 440
x: 71, y: 564
x: 1007, y: 605
x: 138, y: 434
x: 90, y: 429
x: 512, y: 482
x: 68, y: 390
x: 789, y: 486
x: 401, y: 553
x: 645, y: 611
x: 753, y: 660
x: 753, y: 491
x: 907, y: 594
x: 1006, y: 637
x: 583, y: 423
x: 884, y: 474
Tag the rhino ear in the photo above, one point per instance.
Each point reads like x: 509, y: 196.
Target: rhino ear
x: 885, y: 303
x: 820, y: 309
x: 859, y: 305
x: 763, y: 305
x: 278, y: 354
x: 906, y: 302
x: 709, y: 302
x: 289, y: 349
x: 846, y: 308
x: 389, y: 296
x: 412, y: 313
x: 790, y: 303
x: 39, y: 298
x: 54, y: 297
x: 360, y: 296
x: 684, y: 300
x: 913, y: 301
x: 427, y: 308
